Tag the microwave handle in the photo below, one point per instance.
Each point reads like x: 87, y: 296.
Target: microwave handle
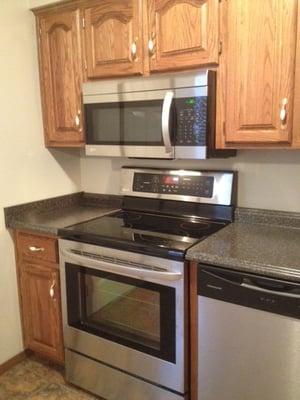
x: 165, y: 121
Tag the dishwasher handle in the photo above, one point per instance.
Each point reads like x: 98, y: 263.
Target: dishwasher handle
x: 272, y: 286
x: 250, y: 290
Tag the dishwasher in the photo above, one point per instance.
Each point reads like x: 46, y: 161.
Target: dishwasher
x: 248, y: 336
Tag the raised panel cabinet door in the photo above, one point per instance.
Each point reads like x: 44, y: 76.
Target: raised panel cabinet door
x: 61, y: 77
x: 182, y: 33
x: 113, y: 38
x: 260, y: 63
x: 40, y: 293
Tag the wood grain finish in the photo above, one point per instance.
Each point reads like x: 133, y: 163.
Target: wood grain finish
x: 296, y: 121
x: 111, y: 28
x: 259, y: 60
x: 36, y: 248
x: 61, y: 77
x: 37, y: 273
x: 185, y: 33
x: 41, y: 312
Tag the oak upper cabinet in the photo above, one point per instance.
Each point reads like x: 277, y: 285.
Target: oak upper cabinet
x: 259, y: 59
x: 41, y: 310
x: 61, y: 77
x: 113, y: 38
x: 182, y: 33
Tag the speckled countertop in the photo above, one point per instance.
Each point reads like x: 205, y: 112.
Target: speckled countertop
x: 260, y: 241
x: 47, y: 216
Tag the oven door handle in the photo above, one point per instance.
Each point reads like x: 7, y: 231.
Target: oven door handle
x: 141, y: 273
x: 165, y: 121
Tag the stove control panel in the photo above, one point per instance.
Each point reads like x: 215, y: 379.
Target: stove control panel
x: 174, y: 184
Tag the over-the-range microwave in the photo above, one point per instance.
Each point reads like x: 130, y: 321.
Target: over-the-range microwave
x: 162, y: 116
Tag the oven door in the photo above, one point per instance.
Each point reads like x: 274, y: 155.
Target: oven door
x: 125, y: 310
x: 135, y: 124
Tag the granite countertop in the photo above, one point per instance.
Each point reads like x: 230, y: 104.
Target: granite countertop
x: 47, y: 216
x: 255, y: 244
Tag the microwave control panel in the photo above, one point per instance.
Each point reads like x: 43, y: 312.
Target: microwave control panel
x: 187, y: 185
x: 191, y: 116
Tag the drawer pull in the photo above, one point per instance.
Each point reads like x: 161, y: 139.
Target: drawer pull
x: 52, y: 291
x: 34, y: 249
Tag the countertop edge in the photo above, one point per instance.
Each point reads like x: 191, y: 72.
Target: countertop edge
x: 246, y: 266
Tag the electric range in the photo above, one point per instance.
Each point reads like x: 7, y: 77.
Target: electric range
x: 123, y: 279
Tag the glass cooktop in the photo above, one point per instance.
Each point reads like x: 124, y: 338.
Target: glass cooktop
x: 159, y: 235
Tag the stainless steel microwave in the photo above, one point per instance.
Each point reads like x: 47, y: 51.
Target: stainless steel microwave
x: 162, y: 116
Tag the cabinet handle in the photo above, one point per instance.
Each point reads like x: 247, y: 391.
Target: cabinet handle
x: 34, y: 249
x: 283, y: 110
x: 134, y: 49
x: 77, y: 119
x: 52, y: 291
x: 151, y: 45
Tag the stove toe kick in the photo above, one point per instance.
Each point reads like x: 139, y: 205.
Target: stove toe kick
x: 110, y: 383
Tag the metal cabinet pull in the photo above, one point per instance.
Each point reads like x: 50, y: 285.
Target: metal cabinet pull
x: 134, y: 49
x: 34, y: 249
x: 77, y: 119
x: 52, y: 291
x: 151, y: 45
x: 283, y: 110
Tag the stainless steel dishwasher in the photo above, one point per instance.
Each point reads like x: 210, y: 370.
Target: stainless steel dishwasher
x: 248, y: 336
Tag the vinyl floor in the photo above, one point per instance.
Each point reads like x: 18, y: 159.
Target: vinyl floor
x: 36, y: 380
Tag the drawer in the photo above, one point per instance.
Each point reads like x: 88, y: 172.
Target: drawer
x: 39, y: 248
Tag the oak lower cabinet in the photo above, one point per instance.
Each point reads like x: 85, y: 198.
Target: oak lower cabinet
x: 39, y: 290
x: 256, y: 75
x: 41, y: 310
x: 182, y: 33
x: 59, y: 46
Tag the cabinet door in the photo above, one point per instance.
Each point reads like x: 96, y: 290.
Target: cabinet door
x: 259, y: 78
x: 296, y: 121
x: 182, y: 33
x: 113, y: 38
x: 40, y: 293
x: 61, y: 78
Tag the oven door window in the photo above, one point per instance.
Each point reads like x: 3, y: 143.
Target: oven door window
x: 125, y: 123
x: 132, y: 312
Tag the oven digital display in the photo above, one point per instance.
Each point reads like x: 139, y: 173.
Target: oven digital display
x: 170, y: 180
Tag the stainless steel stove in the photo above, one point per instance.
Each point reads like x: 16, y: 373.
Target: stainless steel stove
x: 123, y: 280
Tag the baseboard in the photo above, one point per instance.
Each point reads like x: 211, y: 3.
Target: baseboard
x: 13, y: 361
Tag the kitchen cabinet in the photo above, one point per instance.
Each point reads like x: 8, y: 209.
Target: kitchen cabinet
x: 113, y: 33
x: 39, y: 293
x: 296, y: 122
x: 41, y: 310
x: 177, y: 34
x: 59, y: 45
x: 182, y: 33
x: 256, y: 75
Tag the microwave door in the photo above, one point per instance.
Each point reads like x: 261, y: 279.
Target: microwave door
x: 133, y: 124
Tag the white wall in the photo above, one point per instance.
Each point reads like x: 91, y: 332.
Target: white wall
x: 28, y: 171
x: 39, y: 3
x: 267, y: 179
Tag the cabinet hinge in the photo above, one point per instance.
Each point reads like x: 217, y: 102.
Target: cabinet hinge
x: 224, y: 129
x: 85, y: 65
x: 220, y: 47
x: 83, y: 23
